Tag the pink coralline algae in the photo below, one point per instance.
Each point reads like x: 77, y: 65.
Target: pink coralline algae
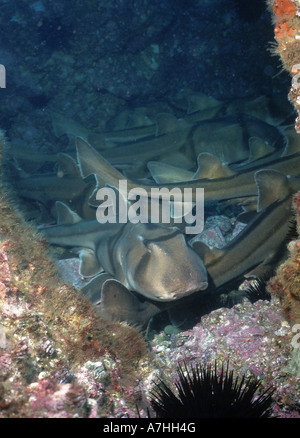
x: 58, y: 401
x: 56, y: 361
x: 5, y: 273
x: 253, y: 338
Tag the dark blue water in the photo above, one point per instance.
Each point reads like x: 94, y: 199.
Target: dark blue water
x: 91, y: 59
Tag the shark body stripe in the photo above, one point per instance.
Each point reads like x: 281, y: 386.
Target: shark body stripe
x: 237, y: 186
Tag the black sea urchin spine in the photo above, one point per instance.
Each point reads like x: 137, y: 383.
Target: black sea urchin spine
x: 202, y: 392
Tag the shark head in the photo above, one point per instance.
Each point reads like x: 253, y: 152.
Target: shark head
x: 160, y: 265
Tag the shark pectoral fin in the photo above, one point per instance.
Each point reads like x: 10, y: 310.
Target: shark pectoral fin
x: 272, y: 186
x: 89, y: 265
x: 67, y: 166
x: 211, y: 167
x: 92, y: 290
x: 166, y: 173
x: 118, y: 303
x: 258, y: 148
x: 65, y: 215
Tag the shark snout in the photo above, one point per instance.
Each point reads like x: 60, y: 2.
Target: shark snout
x: 196, y: 282
x: 193, y: 275
x: 164, y: 267
x: 180, y: 281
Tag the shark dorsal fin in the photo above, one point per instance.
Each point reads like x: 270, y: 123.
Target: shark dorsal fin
x: 65, y: 215
x: 211, y: 167
x: 292, y: 140
x: 166, y: 123
x: 166, y: 173
x: 92, y: 290
x: 200, y: 101
x: 92, y: 163
x: 272, y: 186
x: 258, y: 148
x: 67, y: 165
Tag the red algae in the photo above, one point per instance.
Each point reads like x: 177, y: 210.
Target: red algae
x: 286, y: 17
x: 284, y: 8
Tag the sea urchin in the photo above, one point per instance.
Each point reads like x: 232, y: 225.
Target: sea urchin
x: 203, y: 393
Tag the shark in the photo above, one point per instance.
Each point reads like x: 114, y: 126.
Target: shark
x: 223, y: 184
x: 219, y: 181
x: 149, y: 259
x: 28, y: 159
x: 170, y: 134
x: 253, y: 253
x: 261, y: 245
x: 65, y: 185
x: 256, y: 250
x: 116, y: 303
x: 260, y: 156
x: 66, y: 125
x: 275, y: 109
x: 221, y: 136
